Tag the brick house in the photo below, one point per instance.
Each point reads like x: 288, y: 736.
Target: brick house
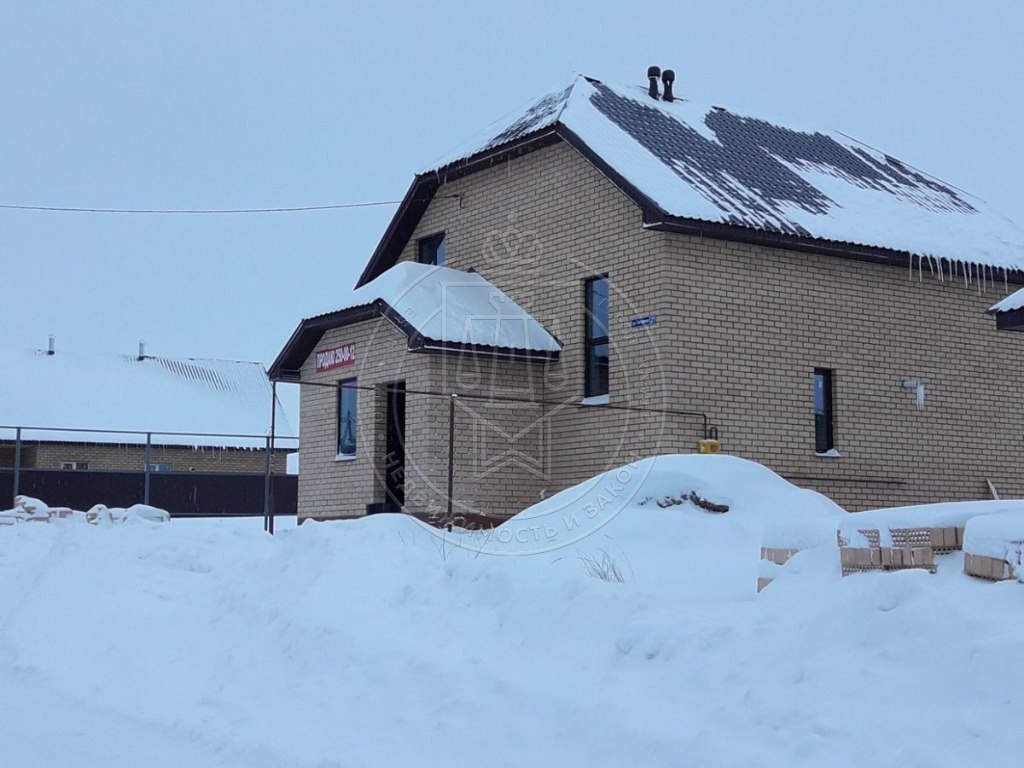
x: 815, y: 304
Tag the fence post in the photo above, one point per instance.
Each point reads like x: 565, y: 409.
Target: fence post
x: 451, y: 453
x: 270, y: 458
x: 266, y: 490
x: 149, y: 461
x: 17, y: 461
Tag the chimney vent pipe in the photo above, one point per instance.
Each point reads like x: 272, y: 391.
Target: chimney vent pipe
x: 51, y: 349
x: 653, y: 73
x: 668, y: 77
x: 142, y: 350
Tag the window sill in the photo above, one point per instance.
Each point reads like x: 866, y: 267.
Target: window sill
x: 596, y: 400
x: 831, y: 453
x: 346, y: 457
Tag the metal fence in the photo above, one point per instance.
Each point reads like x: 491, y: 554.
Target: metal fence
x: 245, y: 489
x: 454, y: 417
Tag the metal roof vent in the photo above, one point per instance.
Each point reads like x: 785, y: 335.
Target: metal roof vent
x: 50, y: 350
x: 668, y: 77
x: 653, y: 73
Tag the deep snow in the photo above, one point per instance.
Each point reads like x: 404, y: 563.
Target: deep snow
x: 381, y: 643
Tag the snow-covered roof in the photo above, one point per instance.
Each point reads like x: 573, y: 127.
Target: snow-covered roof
x: 449, y: 306
x: 709, y: 164
x: 76, y: 390
x: 1010, y: 303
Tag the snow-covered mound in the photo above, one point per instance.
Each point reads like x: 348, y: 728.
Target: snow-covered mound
x: 208, y: 643
x: 27, y: 508
x: 942, y: 515
x: 690, y: 526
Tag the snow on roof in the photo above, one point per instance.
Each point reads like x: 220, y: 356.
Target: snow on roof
x: 449, y: 306
x: 710, y: 164
x: 1010, y: 303
x: 72, y: 390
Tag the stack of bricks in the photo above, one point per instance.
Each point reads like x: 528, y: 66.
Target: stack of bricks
x: 911, y: 549
x: 990, y: 568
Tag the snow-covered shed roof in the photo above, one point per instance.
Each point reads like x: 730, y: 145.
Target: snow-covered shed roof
x: 712, y: 171
x: 76, y: 390
x: 438, y: 308
x: 1009, y: 312
x: 1010, y: 303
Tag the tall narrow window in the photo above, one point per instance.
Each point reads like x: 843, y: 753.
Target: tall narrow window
x: 347, y: 417
x: 431, y: 250
x: 824, y: 440
x: 596, y: 337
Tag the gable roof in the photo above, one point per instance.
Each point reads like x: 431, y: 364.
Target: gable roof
x: 438, y: 308
x: 73, y: 390
x: 706, y: 170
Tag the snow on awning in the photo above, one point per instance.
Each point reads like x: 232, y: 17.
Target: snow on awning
x: 707, y: 164
x: 1009, y: 312
x: 1010, y: 303
x: 446, y: 306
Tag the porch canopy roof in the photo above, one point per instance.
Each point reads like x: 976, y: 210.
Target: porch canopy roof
x: 438, y: 308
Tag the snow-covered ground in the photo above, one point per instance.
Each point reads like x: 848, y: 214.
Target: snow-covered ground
x: 382, y: 643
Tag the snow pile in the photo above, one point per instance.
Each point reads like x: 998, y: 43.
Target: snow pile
x: 700, y: 551
x: 1000, y: 536
x: 209, y: 643
x: 944, y: 515
x: 27, y: 508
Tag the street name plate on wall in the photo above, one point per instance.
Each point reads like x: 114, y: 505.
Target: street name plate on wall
x: 644, y: 322
x: 338, y: 357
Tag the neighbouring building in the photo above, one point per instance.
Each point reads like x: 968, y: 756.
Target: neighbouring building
x: 85, y: 420
x: 618, y: 272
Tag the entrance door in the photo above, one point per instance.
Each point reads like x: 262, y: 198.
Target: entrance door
x: 394, y: 458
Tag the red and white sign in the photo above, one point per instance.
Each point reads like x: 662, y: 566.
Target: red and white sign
x: 338, y: 357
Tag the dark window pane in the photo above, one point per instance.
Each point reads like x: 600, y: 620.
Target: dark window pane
x: 596, y: 337
x: 597, y: 370
x: 432, y: 250
x: 823, y: 433
x: 347, y: 418
x: 597, y: 308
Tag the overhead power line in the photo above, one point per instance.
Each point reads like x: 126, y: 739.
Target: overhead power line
x: 198, y: 211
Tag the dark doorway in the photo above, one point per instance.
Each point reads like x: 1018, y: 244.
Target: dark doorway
x: 394, y: 458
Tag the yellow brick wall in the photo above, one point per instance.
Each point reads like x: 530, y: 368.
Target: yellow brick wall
x: 740, y: 330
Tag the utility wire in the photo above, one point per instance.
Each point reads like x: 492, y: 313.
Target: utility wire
x: 207, y: 211
x: 200, y: 211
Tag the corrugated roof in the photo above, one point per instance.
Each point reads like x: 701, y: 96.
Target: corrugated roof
x: 73, y: 390
x: 713, y: 165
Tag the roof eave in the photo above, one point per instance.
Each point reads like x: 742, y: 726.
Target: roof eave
x: 740, y: 234
x: 419, y: 343
x: 287, y: 367
x: 425, y: 185
x: 305, y: 337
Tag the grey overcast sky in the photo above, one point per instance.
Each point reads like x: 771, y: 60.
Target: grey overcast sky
x: 258, y: 104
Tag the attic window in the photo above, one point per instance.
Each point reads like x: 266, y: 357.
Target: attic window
x: 431, y: 250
